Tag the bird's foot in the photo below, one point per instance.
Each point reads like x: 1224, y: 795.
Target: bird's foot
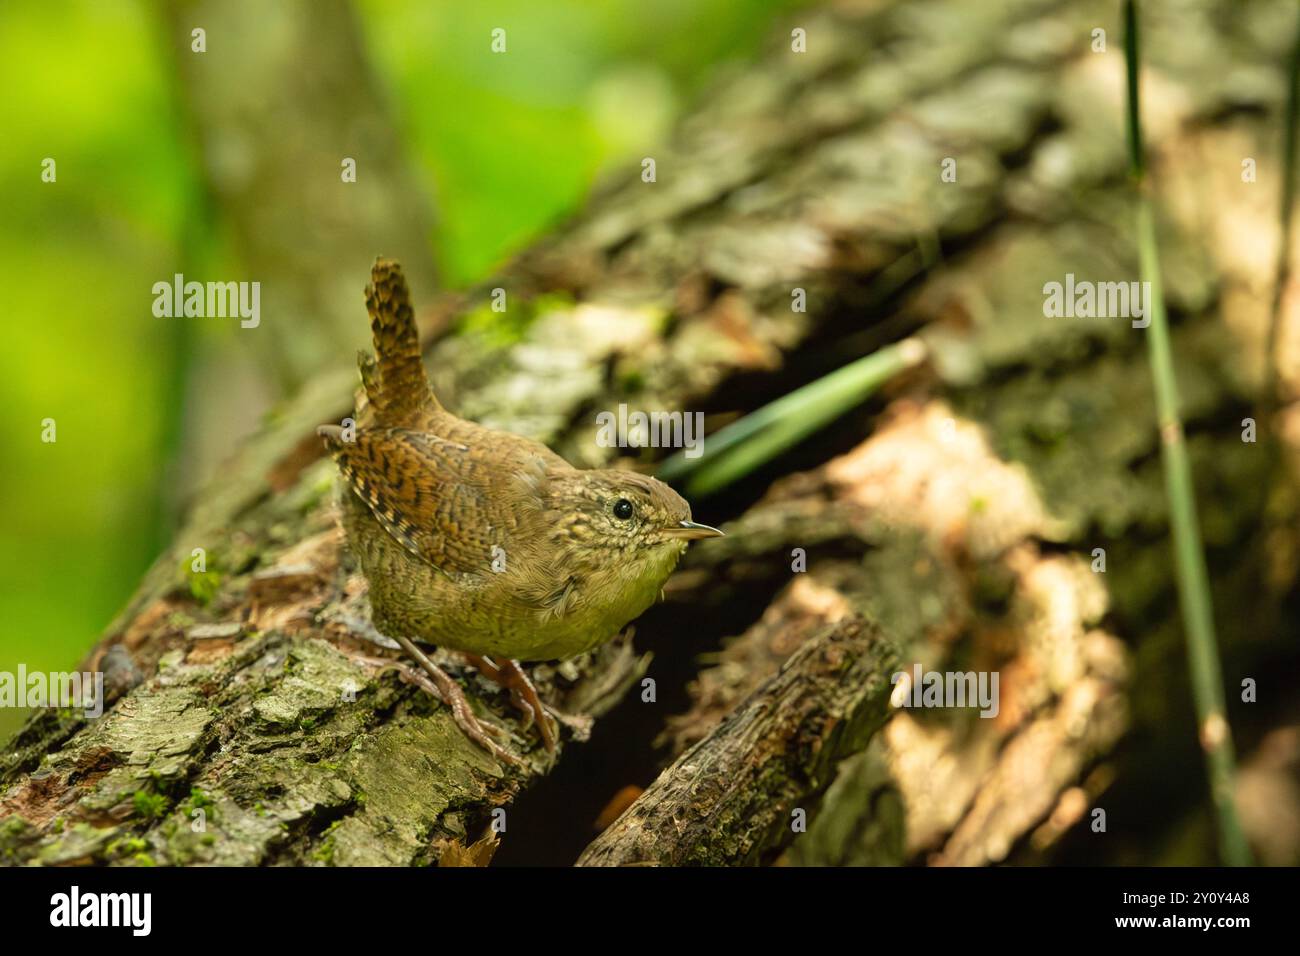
x: 522, y: 693
x: 440, y: 685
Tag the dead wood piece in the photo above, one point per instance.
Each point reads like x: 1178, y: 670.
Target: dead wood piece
x: 731, y: 798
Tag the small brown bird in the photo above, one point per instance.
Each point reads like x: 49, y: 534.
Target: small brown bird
x: 485, y: 542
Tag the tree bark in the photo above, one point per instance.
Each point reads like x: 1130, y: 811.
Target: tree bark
x: 734, y: 797
x: 253, y: 727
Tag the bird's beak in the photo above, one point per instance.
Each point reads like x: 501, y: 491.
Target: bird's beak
x: 690, y: 531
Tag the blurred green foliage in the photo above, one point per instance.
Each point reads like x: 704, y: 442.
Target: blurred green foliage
x: 507, y: 145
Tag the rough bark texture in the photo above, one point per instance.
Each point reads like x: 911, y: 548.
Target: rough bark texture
x: 964, y: 526
x: 739, y: 793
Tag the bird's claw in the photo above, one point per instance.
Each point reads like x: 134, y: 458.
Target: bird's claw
x: 522, y: 694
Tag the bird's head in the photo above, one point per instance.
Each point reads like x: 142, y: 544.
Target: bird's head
x: 615, y: 515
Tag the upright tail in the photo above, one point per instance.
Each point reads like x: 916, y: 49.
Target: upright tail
x: 400, y: 391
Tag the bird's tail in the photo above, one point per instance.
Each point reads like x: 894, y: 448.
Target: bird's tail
x: 395, y: 382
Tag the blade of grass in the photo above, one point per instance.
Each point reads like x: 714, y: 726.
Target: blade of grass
x: 735, y: 451
x: 1189, y: 557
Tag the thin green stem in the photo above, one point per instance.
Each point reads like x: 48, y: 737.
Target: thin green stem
x: 1272, y: 375
x: 760, y: 436
x: 1189, y: 556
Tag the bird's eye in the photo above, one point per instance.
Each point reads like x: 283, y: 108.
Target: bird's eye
x: 622, y: 509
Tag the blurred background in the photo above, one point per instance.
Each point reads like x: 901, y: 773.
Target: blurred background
x: 104, y: 94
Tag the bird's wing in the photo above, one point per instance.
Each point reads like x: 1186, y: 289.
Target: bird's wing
x: 444, y: 503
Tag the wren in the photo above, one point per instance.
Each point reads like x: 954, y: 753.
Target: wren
x: 482, y: 541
